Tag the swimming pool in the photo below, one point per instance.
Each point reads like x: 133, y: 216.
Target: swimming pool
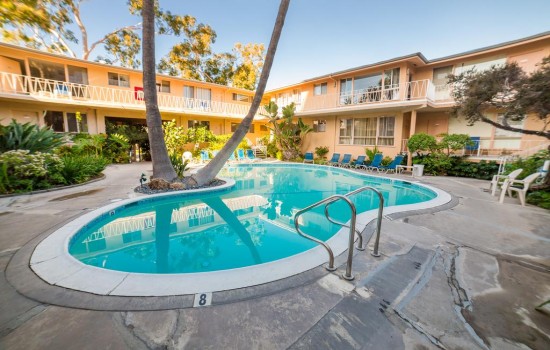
x: 241, y: 229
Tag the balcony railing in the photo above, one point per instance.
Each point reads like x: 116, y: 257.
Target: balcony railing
x: 410, y: 91
x: 112, y: 97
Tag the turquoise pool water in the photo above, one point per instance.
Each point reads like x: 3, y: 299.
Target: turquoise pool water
x: 252, y: 223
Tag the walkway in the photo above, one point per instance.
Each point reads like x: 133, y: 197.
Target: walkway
x: 467, y: 277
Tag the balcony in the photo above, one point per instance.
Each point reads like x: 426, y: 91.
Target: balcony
x: 410, y: 93
x: 37, y: 89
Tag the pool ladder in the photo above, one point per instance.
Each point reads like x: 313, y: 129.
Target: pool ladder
x: 352, y: 229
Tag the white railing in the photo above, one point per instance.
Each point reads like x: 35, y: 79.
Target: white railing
x: 410, y: 91
x: 496, y: 148
x: 113, y: 97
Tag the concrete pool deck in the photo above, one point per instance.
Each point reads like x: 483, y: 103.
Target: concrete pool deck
x: 468, y: 276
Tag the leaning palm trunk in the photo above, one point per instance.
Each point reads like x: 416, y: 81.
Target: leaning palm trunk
x: 209, y: 172
x: 162, y: 167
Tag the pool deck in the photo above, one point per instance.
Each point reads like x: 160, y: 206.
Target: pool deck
x: 467, y: 275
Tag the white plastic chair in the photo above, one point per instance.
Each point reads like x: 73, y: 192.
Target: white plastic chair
x: 522, y: 191
x: 499, y: 180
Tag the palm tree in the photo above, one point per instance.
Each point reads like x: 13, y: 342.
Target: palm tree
x: 209, y: 172
x: 162, y: 167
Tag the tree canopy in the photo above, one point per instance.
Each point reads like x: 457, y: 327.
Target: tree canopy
x: 46, y: 25
x: 507, y: 89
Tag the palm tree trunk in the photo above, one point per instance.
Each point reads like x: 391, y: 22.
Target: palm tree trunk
x: 162, y: 167
x: 209, y: 172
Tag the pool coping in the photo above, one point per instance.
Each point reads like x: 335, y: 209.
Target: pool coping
x: 51, y: 261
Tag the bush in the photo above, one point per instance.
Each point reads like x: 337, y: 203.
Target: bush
x: 422, y: 143
x: 539, y: 198
x: 22, y: 171
x: 321, y: 151
x: 435, y: 163
x: 386, y: 161
x: 482, y: 170
x: 29, y: 137
x: 179, y: 165
x: 529, y: 165
x: 81, y: 168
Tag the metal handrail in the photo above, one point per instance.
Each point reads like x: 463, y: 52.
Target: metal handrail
x: 378, y: 221
x: 332, y: 198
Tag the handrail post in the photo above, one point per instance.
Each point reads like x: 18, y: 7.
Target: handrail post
x: 348, y: 276
x: 375, y: 252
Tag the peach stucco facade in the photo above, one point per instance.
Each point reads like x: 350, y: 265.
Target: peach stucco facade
x: 379, y: 104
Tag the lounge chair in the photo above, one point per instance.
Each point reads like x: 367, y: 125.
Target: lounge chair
x: 498, y: 180
x: 375, y: 163
x: 334, y: 160
x: 232, y: 157
x: 240, y: 154
x: 508, y: 187
x: 308, y: 157
x: 359, y: 162
x: 250, y: 155
x: 205, y: 156
x: 393, y: 165
x: 346, y: 161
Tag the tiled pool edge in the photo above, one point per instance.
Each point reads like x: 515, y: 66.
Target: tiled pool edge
x: 52, y: 263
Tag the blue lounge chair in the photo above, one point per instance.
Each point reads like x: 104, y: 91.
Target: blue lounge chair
x: 250, y: 155
x: 376, y: 161
x: 359, y: 162
x: 240, y: 154
x: 393, y: 165
x: 346, y: 161
x: 308, y: 157
x: 205, y: 156
x: 334, y: 160
x: 232, y: 157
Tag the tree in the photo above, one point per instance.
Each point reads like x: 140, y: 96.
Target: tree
x: 162, y: 167
x: 508, y: 89
x: 207, y: 174
x: 288, y: 135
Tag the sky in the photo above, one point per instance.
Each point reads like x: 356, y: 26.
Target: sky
x: 324, y: 36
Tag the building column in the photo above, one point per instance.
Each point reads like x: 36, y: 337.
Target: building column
x: 412, y: 131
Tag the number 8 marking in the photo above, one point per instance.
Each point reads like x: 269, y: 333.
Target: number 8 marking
x: 202, y: 300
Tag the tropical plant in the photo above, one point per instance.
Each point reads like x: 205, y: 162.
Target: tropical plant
x: 23, y: 171
x: 81, y: 168
x: 455, y: 142
x: 29, y: 137
x: 422, y: 142
x: 207, y: 174
x: 321, y: 151
x: 529, y: 165
x: 371, y: 152
x: 180, y: 166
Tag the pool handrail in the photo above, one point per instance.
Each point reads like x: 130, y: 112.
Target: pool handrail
x: 375, y: 251
x: 347, y: 275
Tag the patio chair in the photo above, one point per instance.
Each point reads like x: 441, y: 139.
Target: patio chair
x: 346, y: 161
x: 187, y: 156
x: 508, y: 187
x: 205, y: 156
x: 498, y: 180
x: 376, y: 161
x: 359, y: 162
x: 250, y: 155
x: 308, y: 157
x: 393, y: 165
x: 240, y: 154
x: 334, y: 160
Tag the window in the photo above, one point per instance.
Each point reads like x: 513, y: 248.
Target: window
x: 189, y: 91
x: 77, y: 123
x: 119, y: 79
x: 440, y: 75
x: 242, y: 98
x: 198, y: 123
x: 55, y: 120
x: 47, y: 70
x: 386, y: 131
x: 345, y: 131
x: 234, y: 127
x: 264, y: 128
x: 319, y: 125
x: 320, y: 89
x: 345, y: 91
x: 203, y: 94
x: 66, y: 122
x: 513, y: 123
x: 78, y: 75
x: 163, y: 86
x: 367, y: 131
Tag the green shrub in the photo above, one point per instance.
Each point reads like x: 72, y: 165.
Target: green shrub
x: 422, y: 143
x: 22, y: 171
x: 386, y: 161
x: 279, y: 155
x: 321, y: 151
x: 272, y: 149
x: 371, y: 152
x: 29, y: 137
x: 179, y: 165
x: 81, y: 168
x: 539, y: 198
x: 529, y: 165
x: 435, y: 163
x: 455, y: 142
x: 482, y: 170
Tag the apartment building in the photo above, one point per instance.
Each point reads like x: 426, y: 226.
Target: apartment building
x: 53, y: 90
x: 384, y: 103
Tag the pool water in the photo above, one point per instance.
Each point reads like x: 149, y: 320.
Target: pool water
x: 250, y: 224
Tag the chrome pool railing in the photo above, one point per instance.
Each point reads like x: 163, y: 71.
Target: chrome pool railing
x: 352, y: 228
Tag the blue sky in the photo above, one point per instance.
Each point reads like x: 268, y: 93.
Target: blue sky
x: 323, y: 36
